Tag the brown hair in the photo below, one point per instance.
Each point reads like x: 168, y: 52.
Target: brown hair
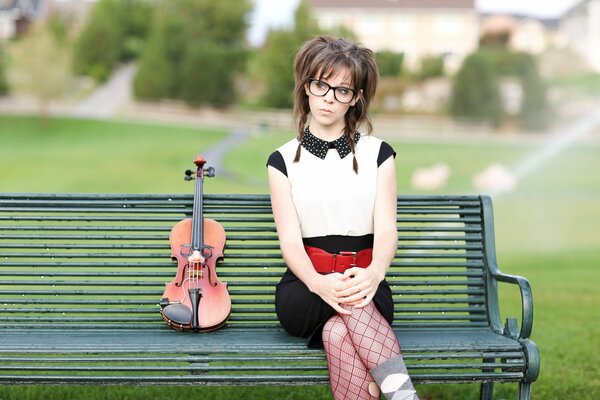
x: 319, y: 58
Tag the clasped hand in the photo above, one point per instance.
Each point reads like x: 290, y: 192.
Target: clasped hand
x: 354, y: 288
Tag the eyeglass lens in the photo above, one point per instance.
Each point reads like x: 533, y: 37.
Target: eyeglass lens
x: 341, y: 94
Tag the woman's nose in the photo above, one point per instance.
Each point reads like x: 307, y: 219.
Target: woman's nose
x: 329, y: 96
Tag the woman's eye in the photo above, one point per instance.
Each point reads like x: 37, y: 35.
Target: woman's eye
x: 321, y: 85
x: 343, y: 91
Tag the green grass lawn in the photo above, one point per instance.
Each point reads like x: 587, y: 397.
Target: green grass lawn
x: 546, y: 230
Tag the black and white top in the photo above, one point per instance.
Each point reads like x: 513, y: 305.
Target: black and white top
x: 330, y: 198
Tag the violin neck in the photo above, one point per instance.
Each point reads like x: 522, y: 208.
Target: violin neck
x: 198, y: 214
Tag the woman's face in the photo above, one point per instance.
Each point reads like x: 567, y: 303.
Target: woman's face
x: 327, y: 111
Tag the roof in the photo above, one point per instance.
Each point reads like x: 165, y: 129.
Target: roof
x: 28, y: 8
x: 423, y: 4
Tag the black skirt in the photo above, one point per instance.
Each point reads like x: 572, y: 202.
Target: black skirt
x: 303, y: 313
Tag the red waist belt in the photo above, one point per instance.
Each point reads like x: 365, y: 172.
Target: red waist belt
x: 325, y: 262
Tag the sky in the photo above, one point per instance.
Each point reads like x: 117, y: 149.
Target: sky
x: 278, y: 13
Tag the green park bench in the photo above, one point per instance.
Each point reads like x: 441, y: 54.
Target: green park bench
x: 82, y: 275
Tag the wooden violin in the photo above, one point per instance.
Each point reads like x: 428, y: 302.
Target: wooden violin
x: 196, y: 300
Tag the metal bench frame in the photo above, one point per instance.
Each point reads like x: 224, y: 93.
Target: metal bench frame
x: 81, y: 276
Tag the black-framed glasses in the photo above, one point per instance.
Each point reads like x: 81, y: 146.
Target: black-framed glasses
x: 341, y: 94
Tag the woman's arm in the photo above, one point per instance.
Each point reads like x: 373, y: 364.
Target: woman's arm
x: 290, y: 241
x: 359, y: 290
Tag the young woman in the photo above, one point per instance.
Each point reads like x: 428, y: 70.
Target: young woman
x: 333, y: 192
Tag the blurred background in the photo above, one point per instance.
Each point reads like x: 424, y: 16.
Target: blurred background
x: 491, y: 96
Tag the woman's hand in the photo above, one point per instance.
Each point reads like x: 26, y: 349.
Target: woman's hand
x: 327, y: 287
x: 359, y: 286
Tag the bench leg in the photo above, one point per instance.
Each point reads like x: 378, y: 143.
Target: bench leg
x: 487, y: 391
x: 525, y: 391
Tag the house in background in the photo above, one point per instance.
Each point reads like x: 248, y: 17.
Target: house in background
x: 521, y: 32
x: 580, y: 26
x: 415, y: 28
x: 17, y: 15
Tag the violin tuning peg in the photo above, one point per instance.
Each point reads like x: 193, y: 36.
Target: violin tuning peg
x: 210, y: 172
x: 189, y: 175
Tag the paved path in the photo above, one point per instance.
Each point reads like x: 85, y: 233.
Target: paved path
x: 109, y: 99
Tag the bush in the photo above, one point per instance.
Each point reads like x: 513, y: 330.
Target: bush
x: 193, y: 53
x: 534, y: 109
x: 97, y: 49
x: 276, y: 68
x: 155, y: 76
x: 431, y: 67
x: 116, y: 31
x: 208, y: 71
x: 3, y: 66
x: 475, y: 91
x: 389, y: 63
x: 276, y: 59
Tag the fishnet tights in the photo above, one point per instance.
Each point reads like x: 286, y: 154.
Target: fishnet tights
x: 353, y: 345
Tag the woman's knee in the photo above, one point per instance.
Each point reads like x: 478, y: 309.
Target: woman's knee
x: 334, y: 331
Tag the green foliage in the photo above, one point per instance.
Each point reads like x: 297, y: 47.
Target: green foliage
x: 535, y: 111
x: 154, y: 78
x: 475, y: 92
x: 115, y: 31
x: 58, y: 26
x: 207, y: 71
x: 3, y: 67
x: 276, y: 68
x: 389, y: 63
x: 431, y: 67
x: 276, y: 58
x: 158, y: 74
x: 97, y: 49
x: 534, y: 108
x: 194, y: 51
x: 41, y: 66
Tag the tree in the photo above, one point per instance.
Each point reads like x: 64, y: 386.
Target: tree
x: 158, y: 75
x: 41, y: 67
x: 533, y: 112
x: 534, y: 108
x: 431, y: 67
x: 389, y: 63
x: 97, y: 49
x: 207, y: 71
x: 197, y: 47
x: 276, y: 61
x: 3, y: 67
x: 475, y: 91
x: 115, y: 31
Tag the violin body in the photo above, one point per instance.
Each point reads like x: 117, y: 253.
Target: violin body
x: 196, y: 300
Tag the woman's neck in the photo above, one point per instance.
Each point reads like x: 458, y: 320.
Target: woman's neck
x: 327, y: 133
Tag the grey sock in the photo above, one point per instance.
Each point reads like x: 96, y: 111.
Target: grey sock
x: 393, y: 380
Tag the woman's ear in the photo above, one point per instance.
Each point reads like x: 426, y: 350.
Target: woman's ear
x: 356, y: 99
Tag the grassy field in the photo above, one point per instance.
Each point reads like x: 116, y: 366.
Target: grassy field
x: 546, y: 230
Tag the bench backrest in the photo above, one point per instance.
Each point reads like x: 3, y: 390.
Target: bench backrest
x: 95, y: 260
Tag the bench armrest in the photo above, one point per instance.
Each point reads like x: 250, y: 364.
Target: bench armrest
x: 526, y: 300
x: 496, y: 276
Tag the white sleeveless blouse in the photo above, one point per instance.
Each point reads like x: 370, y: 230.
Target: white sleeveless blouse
x: 330, y: 198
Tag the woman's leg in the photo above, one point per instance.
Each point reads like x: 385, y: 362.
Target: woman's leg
x: 378, y: 348
x: 372, y: 335
x: 349, y: 377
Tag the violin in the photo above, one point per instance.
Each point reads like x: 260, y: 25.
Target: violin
x: 196, y: 300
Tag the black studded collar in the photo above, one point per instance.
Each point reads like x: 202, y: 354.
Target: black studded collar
x: 319, y: 147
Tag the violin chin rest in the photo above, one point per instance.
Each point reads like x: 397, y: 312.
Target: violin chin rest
x: 178, y: 313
